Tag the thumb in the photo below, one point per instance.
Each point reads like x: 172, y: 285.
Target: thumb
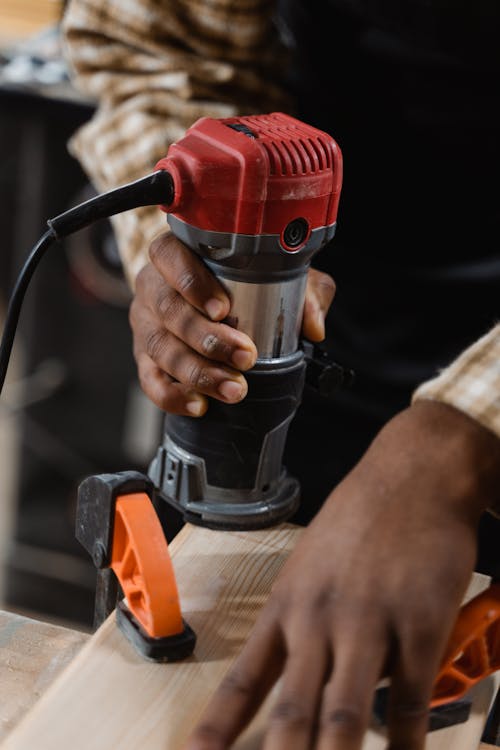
x: 320, y: 291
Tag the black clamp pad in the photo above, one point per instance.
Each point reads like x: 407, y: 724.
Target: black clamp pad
x: 446, y: 715
x: 168, y: 649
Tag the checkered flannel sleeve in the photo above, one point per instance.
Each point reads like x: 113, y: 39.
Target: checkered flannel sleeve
x: 472, y: 385
x: 153, y: 68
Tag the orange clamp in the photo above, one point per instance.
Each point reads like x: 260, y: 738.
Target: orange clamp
x: 141, y: 561
x: 473, y: 650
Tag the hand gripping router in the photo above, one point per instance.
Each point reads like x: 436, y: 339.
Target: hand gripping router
x: 254, y: 197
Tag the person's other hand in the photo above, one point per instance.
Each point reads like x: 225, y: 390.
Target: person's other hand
x: 372, y: 589
x: 183, y: 351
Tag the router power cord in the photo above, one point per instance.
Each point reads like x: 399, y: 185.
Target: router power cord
x: 154, y: 189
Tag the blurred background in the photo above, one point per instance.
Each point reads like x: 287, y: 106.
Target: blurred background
x: 71, y: 405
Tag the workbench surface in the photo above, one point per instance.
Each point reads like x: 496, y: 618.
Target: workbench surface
x: 32, y: 654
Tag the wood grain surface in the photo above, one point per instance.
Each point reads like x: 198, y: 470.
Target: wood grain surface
x: 110, y: 697
x: 32, y: 655
x: 21, y: 19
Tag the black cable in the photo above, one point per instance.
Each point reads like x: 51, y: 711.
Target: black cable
x: 17, y: 298
x: 154, y: 189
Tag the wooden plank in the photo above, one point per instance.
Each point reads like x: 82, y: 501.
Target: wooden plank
x: 32, y: 655
x: 20, y: 19
x: 32, y: 11
x: 110, y: 697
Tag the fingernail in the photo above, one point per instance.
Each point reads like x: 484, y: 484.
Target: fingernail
x: 195, y: 407
x: 243, y: 359
x: 231, y: 390
x: 215, y: 308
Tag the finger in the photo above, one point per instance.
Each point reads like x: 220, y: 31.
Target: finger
x: 186, y: 273
x: 293, y: 720
x: 410, y: 692
x: 320, y: 291
x: 213, y: 340
x: 243, y: 690
x: 348, y: 697
x: 168, y: 395
x: 175, y: 358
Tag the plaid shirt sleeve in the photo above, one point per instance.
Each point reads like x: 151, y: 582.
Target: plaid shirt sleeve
x: 153, y: 68
x: 472, y: 385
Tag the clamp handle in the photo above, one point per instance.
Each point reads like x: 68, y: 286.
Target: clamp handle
x: 473, y: 650
x: 141, y: 561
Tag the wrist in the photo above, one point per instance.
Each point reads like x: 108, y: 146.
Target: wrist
x: 450, y: 456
